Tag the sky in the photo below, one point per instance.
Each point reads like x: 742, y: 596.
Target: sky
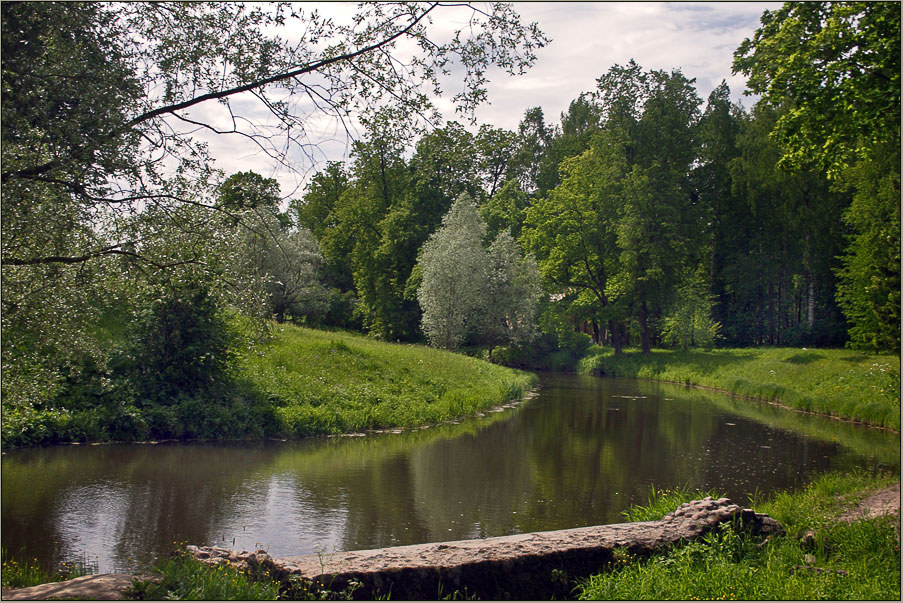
x: 699, y: 38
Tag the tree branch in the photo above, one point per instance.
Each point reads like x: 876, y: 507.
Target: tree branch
x: 275, y: 78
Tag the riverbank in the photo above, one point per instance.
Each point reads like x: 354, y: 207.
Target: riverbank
x: 302, y: 382
x: 844, y: 384
x: 842, y: 542
x: 321, y: 382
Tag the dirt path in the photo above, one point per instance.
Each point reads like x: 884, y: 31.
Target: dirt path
x: 882, y: 502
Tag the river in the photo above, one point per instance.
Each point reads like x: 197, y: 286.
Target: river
x: 577, y: 454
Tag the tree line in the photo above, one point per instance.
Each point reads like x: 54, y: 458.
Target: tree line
x: 657, y: 218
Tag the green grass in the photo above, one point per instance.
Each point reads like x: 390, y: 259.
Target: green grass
x: 846, y: 561
x: 20, y: 572
x: 183, y: 578
x: 302, y: 382
x: 841, y: 383
x: 329, y: 382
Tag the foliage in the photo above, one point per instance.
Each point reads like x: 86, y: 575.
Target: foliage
x: 855, y: 561
x: 184, y: 578
x: 845, y: 384
x: 869, y: 288
x: 620, y: 223
x: 689, y: 323
x: 777, y: 251
x: 813, y: 54
x: 21, y: 573
x: 182, y: 345
x: 512, y: 295
x: 109, y: 194
x: 835, y: 66
x: 454, y: 271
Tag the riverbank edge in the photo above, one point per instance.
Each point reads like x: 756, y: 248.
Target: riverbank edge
x: 600, y: 371
x: 498, y: 408
x: 776, y: 403
x: 251, y: 408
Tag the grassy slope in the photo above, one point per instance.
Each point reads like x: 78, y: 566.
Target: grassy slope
x: 329, y: 382
x: 841, y: 383
x: 859, y: 560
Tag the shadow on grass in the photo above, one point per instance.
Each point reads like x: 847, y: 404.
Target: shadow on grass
x: 804, y: 358
x: 632, y: 361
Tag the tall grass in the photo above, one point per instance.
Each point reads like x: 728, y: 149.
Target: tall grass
x: 841, y: 383
x: 181, y: 577
x: 328, y: 382
x: 844, y: 561
x: 20, y: 572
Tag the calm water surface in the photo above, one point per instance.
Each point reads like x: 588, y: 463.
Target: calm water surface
x: 578, y: 454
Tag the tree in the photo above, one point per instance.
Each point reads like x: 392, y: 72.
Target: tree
x: 689, y: 321
x: 869, y: 288
x: 835, y: 67
x: 511, y: 296
x: 837, y: 64
x: 778, y: 259
x: 533, y: 139
x: 573, y: 231
x: 655, y: 114
x: 454, y: 272
x: 316, y: 212
x: 495, y: 147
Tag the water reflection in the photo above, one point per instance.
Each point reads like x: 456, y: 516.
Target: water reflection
x: 579, y: 454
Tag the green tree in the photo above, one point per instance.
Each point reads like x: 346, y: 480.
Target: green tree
x: 512, y: 295
x: 689, y: 321
x: 495, y: 148
x: 533, y: 139
x: 835, y: 67
x: 506, y: 209
x: 869, y: 289
x: 454, y: 272
x: 573, y: 232
x: 656, y: 114
x: 778, y: 262
x: 316, y: 212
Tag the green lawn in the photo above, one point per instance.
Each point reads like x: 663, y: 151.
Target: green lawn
x: 330, y: 382
x: 302, y: 382
x: 843, y: 561
x: 841, y: 383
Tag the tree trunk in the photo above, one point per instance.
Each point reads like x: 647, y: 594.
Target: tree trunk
x: 810, y: 314
x: 644, y: 328
x: 615, y: 336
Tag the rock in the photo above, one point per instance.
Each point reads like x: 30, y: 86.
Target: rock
x: 100, y: 587
x: 538, y: 565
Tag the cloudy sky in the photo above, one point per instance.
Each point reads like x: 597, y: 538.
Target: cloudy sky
x: 698, y: 38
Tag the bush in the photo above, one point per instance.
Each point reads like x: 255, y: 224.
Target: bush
x: 182, y: 345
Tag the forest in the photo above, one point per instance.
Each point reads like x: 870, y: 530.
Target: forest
x: 134, y: 271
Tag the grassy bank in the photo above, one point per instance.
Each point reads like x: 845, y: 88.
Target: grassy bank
x: 841, y: 383
x: 303, y: 382
x: 18, y: 571
x: 325, y: 382
x: 843, y: 561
